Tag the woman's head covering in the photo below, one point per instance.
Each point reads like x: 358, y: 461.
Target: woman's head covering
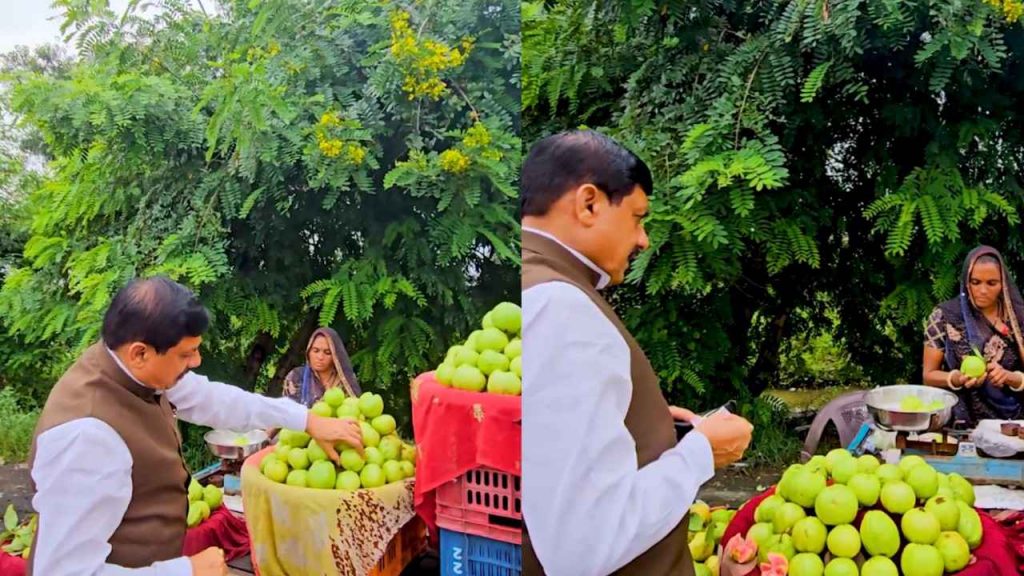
x: 1011, y: 304
x: 345, y: 377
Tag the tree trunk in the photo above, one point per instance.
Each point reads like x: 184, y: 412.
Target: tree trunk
x: 296, y: 354
x: 744, y: 303
x: 258, y: 354
x: 765, y: 372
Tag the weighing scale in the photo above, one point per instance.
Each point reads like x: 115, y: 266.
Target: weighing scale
x: 948, y: 448
x: 225, y: 473
x: 231, y: 449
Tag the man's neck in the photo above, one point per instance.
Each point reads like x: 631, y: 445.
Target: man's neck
x: 537, y: 226
x: 122, y: 363
x: 552, y: 229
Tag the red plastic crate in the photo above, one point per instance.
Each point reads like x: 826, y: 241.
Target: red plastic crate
x: 483, y: 502
x: 403, y: 549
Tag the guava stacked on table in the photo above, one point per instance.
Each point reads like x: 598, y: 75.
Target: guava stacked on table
x: 202, y: 501
x: 705, y: 531
x: 299, y: 461
x: 813, y: 525
x: 491, y: 358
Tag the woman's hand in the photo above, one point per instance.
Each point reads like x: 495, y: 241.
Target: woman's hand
x: 999, y: 376
x: 961, y: 380
x: 1002, y: 377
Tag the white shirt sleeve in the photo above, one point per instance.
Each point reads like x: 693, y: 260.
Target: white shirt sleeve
x: 588, y: 508
x: 202, y: 401
x: 83, y: 477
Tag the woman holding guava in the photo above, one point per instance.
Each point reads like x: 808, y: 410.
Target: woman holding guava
x: 973, y: 342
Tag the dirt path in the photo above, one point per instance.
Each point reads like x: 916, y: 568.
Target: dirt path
x: 15, y: 488
x: 735, y: 485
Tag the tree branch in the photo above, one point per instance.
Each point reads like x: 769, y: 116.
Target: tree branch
x: 476, y: 115
x: 743, y: 103
x: 202, y: 219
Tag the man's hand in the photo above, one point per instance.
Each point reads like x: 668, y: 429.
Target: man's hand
x: 209, y: 562
x: 730, y: 567
x: 728, y: 434
x: 329, y: 431
x: 681, y: 414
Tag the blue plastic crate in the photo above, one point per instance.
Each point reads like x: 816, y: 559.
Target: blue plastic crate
x: 468, y: 555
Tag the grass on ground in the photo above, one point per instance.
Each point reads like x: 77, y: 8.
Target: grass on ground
x: 19, y: 423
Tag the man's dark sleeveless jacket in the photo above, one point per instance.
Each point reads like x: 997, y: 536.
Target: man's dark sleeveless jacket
x: 648, y: 419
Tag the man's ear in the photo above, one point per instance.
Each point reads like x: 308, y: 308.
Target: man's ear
x: 137, y: 353
x: 586, y: 204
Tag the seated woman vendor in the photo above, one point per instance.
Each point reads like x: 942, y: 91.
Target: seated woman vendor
x: 327, y: 366
x: 985, y: 317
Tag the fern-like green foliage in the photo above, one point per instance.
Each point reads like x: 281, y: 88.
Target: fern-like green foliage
x: 814, y: 82
x: 802, y: 150
x: 269, y: 156
x: 937, y: 201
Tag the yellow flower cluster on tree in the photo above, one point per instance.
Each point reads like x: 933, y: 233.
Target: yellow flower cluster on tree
x: 423, y: 60
x: 355, y: 153
x: 1012, y: 9
x: 477, y: 140
x: 454, y: 161
x: 330, y: 119
x: 477, y: 136
x: 403, y: 41
x: 257, y: 52
x: 332, y: 147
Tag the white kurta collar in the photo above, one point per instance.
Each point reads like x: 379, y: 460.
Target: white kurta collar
x: 125, y: 369
x: 603, y: 277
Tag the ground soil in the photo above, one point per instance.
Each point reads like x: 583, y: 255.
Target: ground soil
x: 15, y: 488
x: 735, y: 485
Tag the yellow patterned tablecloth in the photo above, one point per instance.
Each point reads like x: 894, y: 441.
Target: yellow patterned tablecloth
x: 307, y: 532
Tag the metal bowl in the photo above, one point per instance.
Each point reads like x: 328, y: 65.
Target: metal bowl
x: 884, y: 405
x: 235, y: 445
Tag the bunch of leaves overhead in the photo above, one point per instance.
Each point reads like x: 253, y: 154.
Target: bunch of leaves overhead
x: 267, y: 155
x: 805, y: 152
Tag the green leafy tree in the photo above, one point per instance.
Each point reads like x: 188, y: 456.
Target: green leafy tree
x: 819, y: 165
x: 298, y: 163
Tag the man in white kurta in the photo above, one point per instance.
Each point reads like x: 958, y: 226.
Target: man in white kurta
x: 588, y: 506
x: 83, y: 470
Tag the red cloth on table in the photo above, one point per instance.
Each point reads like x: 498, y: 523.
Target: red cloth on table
x: 1013, y: 522
x: 12, y: 565
x: 221, y: 529
x: 995, y: 556
x: 457, y: 431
